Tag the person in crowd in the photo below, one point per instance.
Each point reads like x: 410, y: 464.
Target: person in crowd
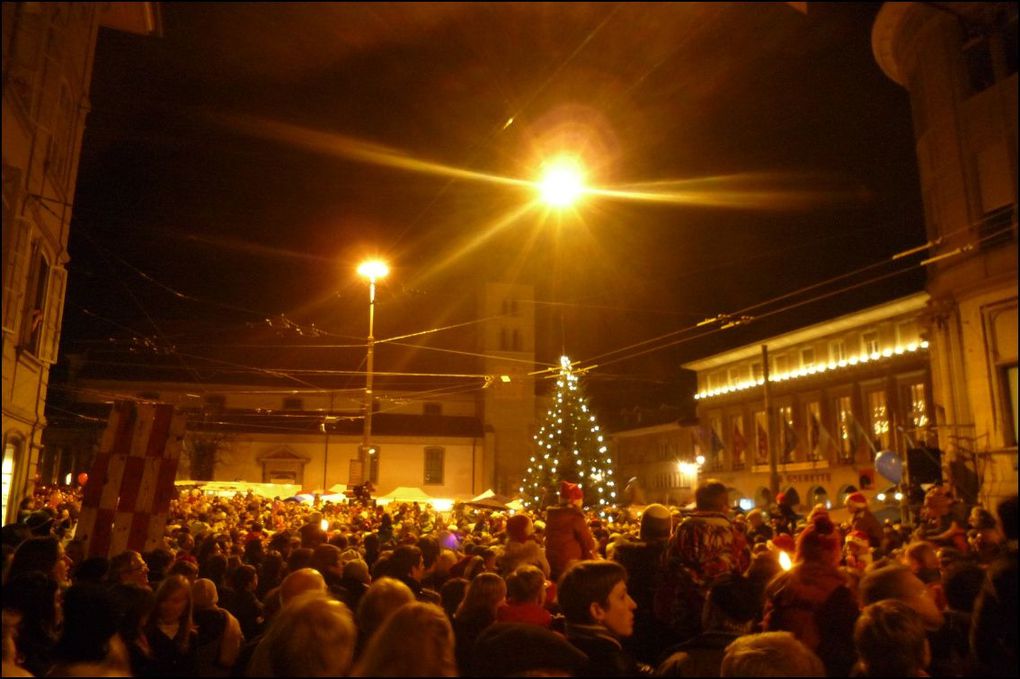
x: 704, y: 546
x: 33, y: 599
x: 950, y: 644
x: 757, y: 529
x: 128, y: 568
x: 452, y: 594
x: 271, y: 573
x: 10, y: 667
x: 89, y: 644
x: 92, y: 570
x: 326, y: 560
x: 923, y: 561
x: 730, y: 610
x: 643, y: 561
x: 525, y: 650
x: 599, y: 614
x: 407, y: 564
x: 312, y: 534
x: 890, y: 639
x: 170, y: 630
x: 484, y: 597
x: 770, y: 654
x: 218, y: 633
x: 440, y: 570
x: 158, y: 562
x: 813, y: 600
x: 567, y: 536
x: 415, y: 641
x: 313, y: 636
x: 354, y: 583
x: 242, y: 602
x: 993, y: 636
x: 521, y: 548
x: 785, y: 516
x: 383, y: 598
x: 895, y: 581
x: 40, y: 554
x: 186, y: 569
x: 134, y: 607
x: 984, y: 538
x: 525, y: 589
x: 863, y: 520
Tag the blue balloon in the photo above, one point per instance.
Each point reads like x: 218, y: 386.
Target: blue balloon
x: 889, y: 465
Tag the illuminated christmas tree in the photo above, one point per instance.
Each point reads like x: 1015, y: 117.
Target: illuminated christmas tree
x: 569, y: 447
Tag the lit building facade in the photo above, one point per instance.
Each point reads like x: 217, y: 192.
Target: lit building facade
x: 958, y: 62
x: 838, y: 393
x: 453, y: 441
x: 48, y: 53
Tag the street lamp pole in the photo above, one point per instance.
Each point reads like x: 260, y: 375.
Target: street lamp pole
x: 371, y: 270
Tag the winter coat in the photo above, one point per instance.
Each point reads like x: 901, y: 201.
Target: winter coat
x: 606, y: 657
x: 527, y: 553
x: 567, y: 539
x: 814, y: 602
x: 530, y: 613
x: 643, y: 562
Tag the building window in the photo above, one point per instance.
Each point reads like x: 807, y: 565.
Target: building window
x: 35, y: 303
x: 780, y: 365
x: 807, y: 357
x: 433, y: 409
x: 845, y: 421
x: 815, y: 449
x: 879, y: 414
x: 918, y: 406
x: 717, y: 451
x: 434, y: 465
x: 736, y: 375
x: 1011, y: 397
x: 293, y: 404
x: 757, y: 374
x: 373, y: 464
x: 869, y: 342
x: 787, y: 435
x: 837, y: 351
x: 906, y: 332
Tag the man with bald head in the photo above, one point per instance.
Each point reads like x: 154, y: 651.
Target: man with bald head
x: 299, y: 582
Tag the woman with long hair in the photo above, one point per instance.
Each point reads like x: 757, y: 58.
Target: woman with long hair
x: 416, y: 641
x: 32, y: 596
x: 170, y: 630
x: 380, y: 601
x: 312, y: 636
x: 45, y: 555
x: 484, y: 595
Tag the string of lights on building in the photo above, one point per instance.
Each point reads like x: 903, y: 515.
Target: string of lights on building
x: 815, y: 369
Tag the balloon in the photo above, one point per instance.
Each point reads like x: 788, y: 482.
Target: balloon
x: 83, y: 478
x: 889, y: 465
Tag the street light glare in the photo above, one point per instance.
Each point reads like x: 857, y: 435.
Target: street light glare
x: 373, y: 269
x: 562, y: 183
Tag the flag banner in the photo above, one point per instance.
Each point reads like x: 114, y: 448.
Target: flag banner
x: 131, y: 483
x: 823, y: 441
x: 790, y: 441
x: 857, y: 434
x: 762, y: 453
x: 739, y: 446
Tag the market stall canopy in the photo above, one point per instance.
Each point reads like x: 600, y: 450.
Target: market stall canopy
x: 405, y: 494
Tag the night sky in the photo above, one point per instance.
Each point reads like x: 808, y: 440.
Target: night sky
x: 200, y: 199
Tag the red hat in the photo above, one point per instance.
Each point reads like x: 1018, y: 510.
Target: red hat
x: 859, y: 537
x: 820, y: 541
x: 783, y: 542
x: 571, y: 491
x: 519, y: 527
x: 856, y: 501
x: 781, y: 498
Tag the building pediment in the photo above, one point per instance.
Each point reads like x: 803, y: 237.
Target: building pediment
x: 283, y: 454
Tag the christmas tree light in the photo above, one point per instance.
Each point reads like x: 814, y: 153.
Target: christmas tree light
x: 570, y: 436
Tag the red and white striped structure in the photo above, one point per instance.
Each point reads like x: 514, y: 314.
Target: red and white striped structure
x: 131, y: 481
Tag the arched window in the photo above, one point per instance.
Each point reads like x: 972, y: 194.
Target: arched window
x: 818, y: 496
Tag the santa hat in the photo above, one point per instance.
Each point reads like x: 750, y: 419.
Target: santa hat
x: 570, y: 491
x: 519, y: 527
x: 783, y: 542
x: 856, y: 501
x: 859, y: 538
x: 820, y: 541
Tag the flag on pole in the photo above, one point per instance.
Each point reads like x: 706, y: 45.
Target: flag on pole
x: 822, y: 439
x: 739, y: 444
x: 131, y: 482
x: 762, y: 456
x: 790, y: 441
x: 857, y: 432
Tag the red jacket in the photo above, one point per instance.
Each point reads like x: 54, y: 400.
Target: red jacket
x: 530, y: 613
x: 567, y: 539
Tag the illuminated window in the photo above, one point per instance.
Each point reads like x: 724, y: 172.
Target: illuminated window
x: 869, y: 342
x: 717, y: 452
x: 918, y: 406
x: 434, y: 458
x: 807, y: 357
x: 756, y: 372
x: 761, y: 439
x: 837, y: 351
x: 10, y: 452
x: 738, y: 444
x: 736, y: 375
x: 780, y: 365
x: 787, y: 436
x: 845, y: 420
x: 879, y: 414
x: 35, y: 302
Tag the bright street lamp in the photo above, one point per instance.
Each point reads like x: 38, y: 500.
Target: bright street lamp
x: 562, y: 182
x: 371, y: 270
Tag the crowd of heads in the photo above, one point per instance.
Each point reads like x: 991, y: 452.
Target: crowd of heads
x: 252, y: 586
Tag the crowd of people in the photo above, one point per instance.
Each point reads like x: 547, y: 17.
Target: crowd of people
x: 252, y: 586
